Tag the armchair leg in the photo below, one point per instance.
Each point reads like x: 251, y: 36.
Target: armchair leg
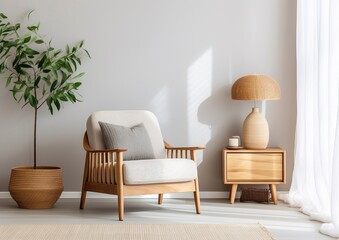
x: 83, y: 199
x: 83, y: 191
x: 120, y: 187
x: 160, y: 197
x: 121, y: 207
x: 197, y: 196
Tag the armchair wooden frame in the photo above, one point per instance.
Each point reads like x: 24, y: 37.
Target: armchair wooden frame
x: 102, y: 165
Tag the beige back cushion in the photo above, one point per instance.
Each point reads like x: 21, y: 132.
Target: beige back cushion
x: 127, y: 119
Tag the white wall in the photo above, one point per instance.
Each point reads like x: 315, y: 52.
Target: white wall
x: 175, y: 58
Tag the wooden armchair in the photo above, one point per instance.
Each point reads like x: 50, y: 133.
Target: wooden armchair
x: 106, y: 171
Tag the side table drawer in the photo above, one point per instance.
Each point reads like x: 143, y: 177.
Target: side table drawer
x: 254, y: 167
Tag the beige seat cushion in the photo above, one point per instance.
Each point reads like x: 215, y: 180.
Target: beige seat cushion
x: 159, y: 171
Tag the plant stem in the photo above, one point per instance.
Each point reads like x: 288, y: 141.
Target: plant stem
x: 35, y: 125
x: 35, y: 119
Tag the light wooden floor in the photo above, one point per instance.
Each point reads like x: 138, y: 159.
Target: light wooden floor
x: 284, y: 222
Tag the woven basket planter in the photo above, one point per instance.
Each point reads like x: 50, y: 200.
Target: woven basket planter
x: 36, y: 188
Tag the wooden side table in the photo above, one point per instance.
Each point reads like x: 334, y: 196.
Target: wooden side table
x: 247, y: 166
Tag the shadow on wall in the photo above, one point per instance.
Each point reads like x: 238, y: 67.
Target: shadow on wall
x: 198, y: 114
x: 208, y: 118
x: 215, y: 112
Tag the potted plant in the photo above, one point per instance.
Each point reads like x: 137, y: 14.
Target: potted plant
x: 37, y: 75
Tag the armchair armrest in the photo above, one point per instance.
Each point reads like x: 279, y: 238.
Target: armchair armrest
x: 185, y: 148
x: 88, y: 148
x: 182, y: 152
x: 170, y: 147
x: 117, y: 150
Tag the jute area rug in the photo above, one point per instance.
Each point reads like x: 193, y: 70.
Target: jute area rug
x: 135, y: 231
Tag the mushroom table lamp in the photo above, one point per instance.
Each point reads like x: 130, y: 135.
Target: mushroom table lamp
x: 255, y: 87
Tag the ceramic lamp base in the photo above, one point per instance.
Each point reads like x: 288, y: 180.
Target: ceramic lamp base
x: 255, y: 131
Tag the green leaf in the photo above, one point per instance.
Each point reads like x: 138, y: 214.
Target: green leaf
x: 53, y: 86
x: 87, y: 53
x: 19, y: 100
x: 55, y: 74
x: 74, y: 64
x: 2, y: 67
x: 9, y: 79
x: 22, y: 86
x: 65, y: 77
x: 37, y: 81
x: 49, y: 104
x: 58, y: 65
x: 39, y: 41
x: 14, y: 91
x: 24, y: 65
x: 27, y: 93
x: 78, y: 60
x: 32, y: 28
x: 47, y: 62
x: 56, y: 53
x: 63, y: 97
x: 17, y: 26
x: 68, y: 67
x: 71, y: 97
x: 29, y: 14
x: 19, y: 82
x: 27, y: 39
x: 43, y: 89
x: 76, y: 85
x: 7, y: 50
x: 49, y: 101
x: 79, y: 75
x: 3, y: 16
x: 81, y: 43
x: 21, y: 72
x: 33, y: 101
x: 41, y: 62
x: 47, y: 80
x: 30, y: 51
x: 16, y: 60
x: 57, y: 104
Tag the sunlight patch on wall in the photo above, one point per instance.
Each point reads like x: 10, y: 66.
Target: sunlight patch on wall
x: 199, y: 84
x: 160, y: 105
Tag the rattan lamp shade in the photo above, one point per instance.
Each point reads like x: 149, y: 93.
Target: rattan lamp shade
x: 255, y: 87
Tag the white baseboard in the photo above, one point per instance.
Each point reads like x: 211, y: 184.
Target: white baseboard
x: 185, y: 195
x: 5, y: 195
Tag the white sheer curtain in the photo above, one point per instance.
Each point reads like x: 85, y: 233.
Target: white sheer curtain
x: 315, y: 183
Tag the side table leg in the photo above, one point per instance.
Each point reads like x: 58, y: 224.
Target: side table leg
x: 233, y: 192
x: 274, y: 193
